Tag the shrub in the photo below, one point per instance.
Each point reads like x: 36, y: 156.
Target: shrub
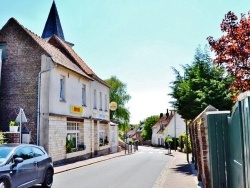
x: 2, y: 138
x: 69, y: 145
x: 184, y: 137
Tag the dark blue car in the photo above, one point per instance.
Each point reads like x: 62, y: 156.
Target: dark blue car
x: 24, y: 165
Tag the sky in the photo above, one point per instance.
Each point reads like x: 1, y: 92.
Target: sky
x: 138, y: 41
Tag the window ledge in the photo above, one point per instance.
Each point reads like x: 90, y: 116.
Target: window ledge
x: 104, y: 147
x: 75, y: 154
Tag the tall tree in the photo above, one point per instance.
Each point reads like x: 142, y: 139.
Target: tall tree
x: 202, y: 85
x: 118, y: 94
x: 232, y: 50
x: 147, y: 130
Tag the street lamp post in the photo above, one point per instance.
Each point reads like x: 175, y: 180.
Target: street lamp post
x: 187, y: 140
x: 169, y: 146
x: 125, y: 138
x: 174, y: 130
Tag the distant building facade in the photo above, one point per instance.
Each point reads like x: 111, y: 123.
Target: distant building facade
x: 168, y: 125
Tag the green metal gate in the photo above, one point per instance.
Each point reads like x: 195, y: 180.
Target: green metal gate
x: 245, y: 118
x: 217, y: 124
x: 229, y: 146
x: 235, y: 149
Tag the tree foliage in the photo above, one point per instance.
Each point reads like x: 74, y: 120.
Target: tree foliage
x: 118, y: 94
x: 148, y: 123
x: 232, y: 50
x: 202, y: 85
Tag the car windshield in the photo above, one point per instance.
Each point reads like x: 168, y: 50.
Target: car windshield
x: 4, y: 152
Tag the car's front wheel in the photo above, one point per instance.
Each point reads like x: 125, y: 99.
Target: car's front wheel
x: 4, y: 183
x: 48, y: 179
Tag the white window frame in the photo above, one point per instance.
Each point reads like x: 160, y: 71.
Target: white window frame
x: 106, y: 102
x: 100, y: 101
x: 101, y: 135
x: 62, y: 88
x: 73, y: 129
x: 84, y: 95
x: 95, y: 100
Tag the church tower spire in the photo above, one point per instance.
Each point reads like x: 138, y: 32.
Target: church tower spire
x: 53, y: 25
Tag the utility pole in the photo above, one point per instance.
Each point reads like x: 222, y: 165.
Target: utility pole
x: 187, y: 140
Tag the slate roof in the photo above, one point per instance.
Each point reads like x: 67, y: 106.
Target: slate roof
x: 53, y: 24
x: 56, y: 55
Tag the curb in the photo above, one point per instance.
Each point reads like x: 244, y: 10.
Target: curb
x: 87, y: 162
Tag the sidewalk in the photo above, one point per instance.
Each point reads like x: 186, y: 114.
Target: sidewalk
x: 177, y: 173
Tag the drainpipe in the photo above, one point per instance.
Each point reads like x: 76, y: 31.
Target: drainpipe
x: 0, y: 64
x: 38, y: 106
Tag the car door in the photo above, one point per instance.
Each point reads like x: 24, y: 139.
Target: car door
x: 42, y: 162
x: 24, y: 173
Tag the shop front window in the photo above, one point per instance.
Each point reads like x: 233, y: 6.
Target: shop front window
x: 103, y: 138
x: 72, y: 138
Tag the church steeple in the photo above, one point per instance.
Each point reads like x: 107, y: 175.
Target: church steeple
x: 53, y: 25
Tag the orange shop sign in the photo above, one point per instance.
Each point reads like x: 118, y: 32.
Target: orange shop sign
x: 76, y: 109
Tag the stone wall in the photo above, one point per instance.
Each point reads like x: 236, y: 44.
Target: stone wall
x: 57, y: 138
x: 88, y: 136
x: 104, y: 150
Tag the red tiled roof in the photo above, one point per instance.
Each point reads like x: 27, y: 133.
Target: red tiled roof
x: 160, y: 132
x: 74, y: 57
x: 164, y: 121
x: 131, y: 132
x: 60, y: 58
x: 72, y: 54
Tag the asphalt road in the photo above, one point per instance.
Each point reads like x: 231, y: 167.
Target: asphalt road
x: 138, y: 170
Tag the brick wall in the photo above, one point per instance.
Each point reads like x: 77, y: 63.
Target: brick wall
x: 205, y: 174
x: 200, y: 146
x: 13, y: 137
x: 20, y: 70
